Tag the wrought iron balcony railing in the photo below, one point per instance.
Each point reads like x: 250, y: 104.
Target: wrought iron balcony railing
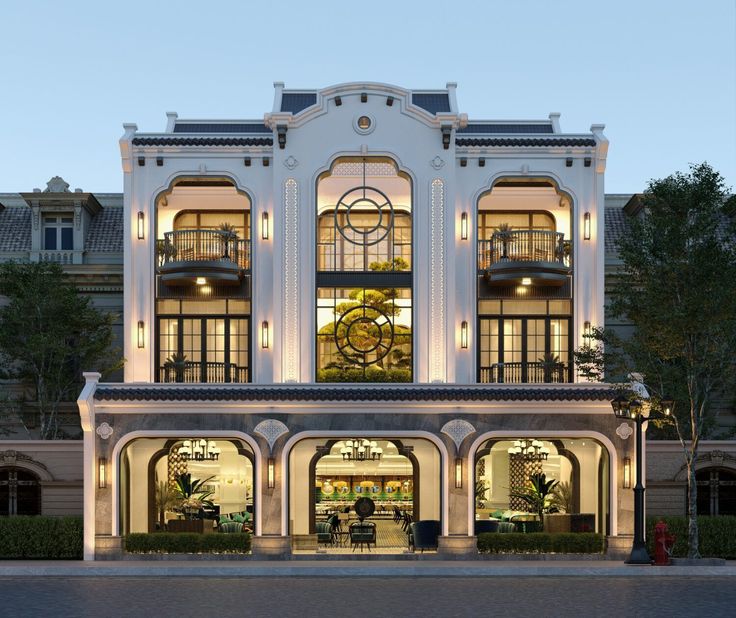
x: 203, y: 246
x: 523, y: 246
x: 524, y: 373
x: 193, y: 372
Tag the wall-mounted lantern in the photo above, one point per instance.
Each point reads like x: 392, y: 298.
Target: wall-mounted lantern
x: 464, y: 226
x: 264, y: 334
x: 458, y: 472
x: 102, y: 472
x: 141, y: 334
x: 141, y: 225
x: 464, y: 335
x: 586, y: 226
x: 264, y: 225
x: 627, y: 473
x: 271, y: 478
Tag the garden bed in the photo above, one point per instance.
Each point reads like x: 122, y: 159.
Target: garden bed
x: 516, y: 543
x: 188, y: 544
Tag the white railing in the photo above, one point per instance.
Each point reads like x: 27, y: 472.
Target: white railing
x: 60, y: 256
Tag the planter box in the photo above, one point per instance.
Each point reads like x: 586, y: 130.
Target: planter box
x: 557, y: 522
x: 200, y: 526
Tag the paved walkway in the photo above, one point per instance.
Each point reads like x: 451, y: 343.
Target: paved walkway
x: 350, y: 568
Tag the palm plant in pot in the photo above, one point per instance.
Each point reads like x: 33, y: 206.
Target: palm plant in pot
x: 537, y: 494
x: 177, y: 363
x: 505, y: 235
x: 551, y: 367
x: 228, y: 235
x: 562, y: 504
x: 167, y: 499
x: 192, y: 494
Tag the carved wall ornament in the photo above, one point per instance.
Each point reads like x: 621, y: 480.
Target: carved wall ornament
x: 57, y: 185
x: 104, y: 430
x: 437, y: 162
x: 271, y: 430
x: 624, y: 430
x: 457, y: 429
x: 290, y: 162
x: 12, y: 457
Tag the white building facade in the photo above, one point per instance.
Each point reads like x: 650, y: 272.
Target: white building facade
x: 367, y: 268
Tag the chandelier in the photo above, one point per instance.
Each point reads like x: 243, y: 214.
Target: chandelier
x: 199, y: 450
x: 528, y: 450
x: 361, y: 450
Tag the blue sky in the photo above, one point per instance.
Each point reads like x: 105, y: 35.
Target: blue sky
x: 660, y: 74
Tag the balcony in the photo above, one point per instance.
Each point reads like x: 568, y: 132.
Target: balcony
x: 194, y: 372
x: 524, y: 373
x: 525, y: 257
x: 189, y: 257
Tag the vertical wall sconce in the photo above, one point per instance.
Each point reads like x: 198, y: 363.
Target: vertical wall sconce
x: 264, y: 226
x: 141, y: 225
x: 587, y: 329
x: 458, y: 472
x: 464, y: 226
x: 141, y: 334
x: 102, y: 472
x: 271, y: 473
x: 264, y: 334
x: 627, y: 473
x: 464, y: 335
x: 586, y: 226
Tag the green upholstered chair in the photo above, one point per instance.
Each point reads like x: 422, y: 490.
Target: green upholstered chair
x: 363, y: 533
x: 423, y: 534
x: 230, y: 527
x: 324, y: 533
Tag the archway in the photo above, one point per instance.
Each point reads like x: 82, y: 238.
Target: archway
x: 20, y: 492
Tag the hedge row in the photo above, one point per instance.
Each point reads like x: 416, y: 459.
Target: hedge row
x: 49, y: 538
x: 187, y: 543
x: 540, y: 543
x: 717, y: 536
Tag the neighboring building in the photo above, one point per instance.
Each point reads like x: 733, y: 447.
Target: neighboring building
x: 82, y: 232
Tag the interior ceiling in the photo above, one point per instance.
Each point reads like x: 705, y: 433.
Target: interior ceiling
x: 391, y: 463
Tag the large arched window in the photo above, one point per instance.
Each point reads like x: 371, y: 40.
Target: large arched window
x: 364, y: 281
x: 20, y: 492
x: 716, y: 491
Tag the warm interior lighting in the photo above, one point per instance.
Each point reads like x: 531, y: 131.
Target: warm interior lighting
x: 264, y: 226
x: 141, y: 334
x: 586, y: 226
x: 201, y: 281
x: 458, y: 472
x: 526, y: 281
x: 271, y: 473
x: 627, y: 473
x: 464, y: 226
x: 264, y: 334
x: 102, y: 473
x: 464, y: 335
x: 141, y: 225
x: 587, y: 329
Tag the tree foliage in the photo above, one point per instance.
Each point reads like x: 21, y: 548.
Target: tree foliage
x: 677, y: 288
x: 49, y: 334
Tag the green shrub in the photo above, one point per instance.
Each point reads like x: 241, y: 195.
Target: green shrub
x: 717, y: 535
x: 186, y: 543
x: 540, y: 543
x: 55, y: 538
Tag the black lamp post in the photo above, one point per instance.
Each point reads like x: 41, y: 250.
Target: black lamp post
x: 632, y: 409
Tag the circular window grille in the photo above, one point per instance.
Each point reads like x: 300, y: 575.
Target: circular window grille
x: 364, y: 200
x: 364, y: 335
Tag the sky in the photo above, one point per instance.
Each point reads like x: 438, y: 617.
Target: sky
x: 661, y: 75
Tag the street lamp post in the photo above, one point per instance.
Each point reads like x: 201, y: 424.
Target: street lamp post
x: 632, y: 409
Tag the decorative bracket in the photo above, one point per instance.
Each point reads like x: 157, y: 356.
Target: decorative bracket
x: 271, y: 430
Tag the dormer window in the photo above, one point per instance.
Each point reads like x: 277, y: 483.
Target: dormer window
x: 58, y: 233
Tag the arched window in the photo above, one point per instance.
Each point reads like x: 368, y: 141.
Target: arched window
x: 716, y: 491
x: 20, y: 492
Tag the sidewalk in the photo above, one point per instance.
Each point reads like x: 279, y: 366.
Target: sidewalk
x: 339, y: 568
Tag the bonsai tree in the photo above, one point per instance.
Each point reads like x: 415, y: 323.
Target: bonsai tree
x: 167, y: 498
x: 191, y: 494
x: 537, y: 494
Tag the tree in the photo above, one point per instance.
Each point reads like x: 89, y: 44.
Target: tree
x: 49, y: 333
x: 676, y: 287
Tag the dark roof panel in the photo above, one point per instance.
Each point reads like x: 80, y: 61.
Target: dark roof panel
x: 240, y: 127
x: 432, y: 102
x: 351, y: 393
x: 525, y: 141
x: 202, y: 141
x: 105, y: 233
x: 15, y: 229
x: 295, y: 102
x: 507, y: 128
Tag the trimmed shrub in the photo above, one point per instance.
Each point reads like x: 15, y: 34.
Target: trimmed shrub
x: 540, y: 543
x: 187, y: 543
x: 717, y: 535
x: 48, y: 538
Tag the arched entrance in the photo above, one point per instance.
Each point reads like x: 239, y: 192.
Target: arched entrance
x: 20, y: 492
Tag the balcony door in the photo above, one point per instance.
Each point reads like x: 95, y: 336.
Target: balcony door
x: 524, y: 349
x: 203, y: 349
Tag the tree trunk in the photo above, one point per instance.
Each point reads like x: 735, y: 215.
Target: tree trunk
x: 693, y: 549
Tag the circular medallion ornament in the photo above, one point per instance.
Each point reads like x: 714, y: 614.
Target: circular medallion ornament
x: 361, y: 201
x: 364, y: 331
x: 364, y: 508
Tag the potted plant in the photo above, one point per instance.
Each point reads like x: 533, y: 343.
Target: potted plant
x: 563, y: 502
x: 551, y: 366
x: 167, y: 499
x: 537, y: 494
x: 228, y: 235
x: 505, y: 234
x: 192, y: 494
x: 176, y: 363
x: 165, y: 251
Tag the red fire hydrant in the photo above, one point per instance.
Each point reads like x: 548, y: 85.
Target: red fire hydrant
x: 663, y: 544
